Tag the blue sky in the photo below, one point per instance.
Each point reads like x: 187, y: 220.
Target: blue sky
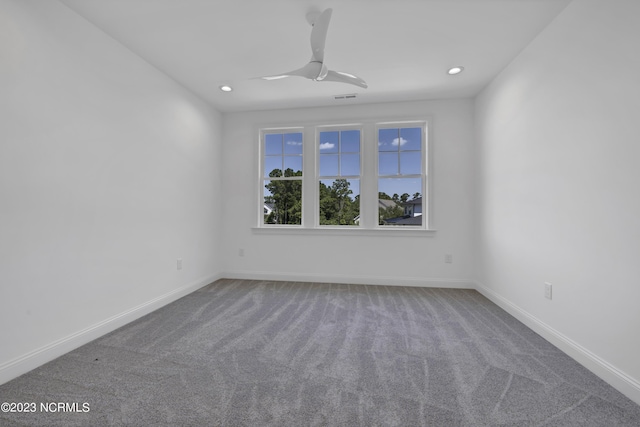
x: 340, y: 153
x: 399, y: 151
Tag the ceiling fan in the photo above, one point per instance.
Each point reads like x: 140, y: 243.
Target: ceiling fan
x: 316, y: 69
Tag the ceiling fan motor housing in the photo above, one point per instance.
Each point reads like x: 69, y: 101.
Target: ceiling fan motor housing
x: 323, y: 72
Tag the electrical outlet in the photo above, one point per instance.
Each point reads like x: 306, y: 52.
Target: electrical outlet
x: 179, y: 264
x: 547, y: 290
x: 448, y: 258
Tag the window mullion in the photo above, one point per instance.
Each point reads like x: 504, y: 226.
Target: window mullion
x: 369, y: 176
x: 282, y: 155
x: 310, y: 177
x: 398, y: 153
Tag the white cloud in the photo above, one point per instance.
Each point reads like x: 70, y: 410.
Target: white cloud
x: 327, y: 145
x: 294, y: 142
x: 400, y: 140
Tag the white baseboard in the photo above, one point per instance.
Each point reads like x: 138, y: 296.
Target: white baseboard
x: 354, y: 280
x: 23, y: 364
x: 624, y: 383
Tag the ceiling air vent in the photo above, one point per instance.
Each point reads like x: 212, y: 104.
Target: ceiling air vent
x: 347, y: 96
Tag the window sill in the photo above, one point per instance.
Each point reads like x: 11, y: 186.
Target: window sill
x: 344, y: 231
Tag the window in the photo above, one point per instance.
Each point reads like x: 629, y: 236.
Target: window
x: 282, y: 177
x: 339, y: 177
x: 401, y: 164
x: 364, y: 176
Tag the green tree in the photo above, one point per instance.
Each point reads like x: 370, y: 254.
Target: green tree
x: 327, y: 205
x: 286, y: 198
x: 336, y: 205
x: 390, y: 212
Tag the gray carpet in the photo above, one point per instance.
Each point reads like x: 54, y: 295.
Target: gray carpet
x: 258, y: 353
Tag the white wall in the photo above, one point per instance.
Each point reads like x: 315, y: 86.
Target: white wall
x: 354, y: 259
x: 558, y: 176
x: 109, y: 172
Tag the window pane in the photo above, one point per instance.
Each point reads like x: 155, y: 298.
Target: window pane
x: 339, y: 202
x: 273, y: 144
x: 350, y: 142
x: 329, y: 165
x: 388, y: 163
x: 273, y: 166
x: 283, y: 201
x: 350, y: 164
x: 329, y: 142
x: 410, y: 162
x: 411, y: 139
x: 396, y: 207
x: 388, y: 140
x: 294, y: 163
x: 293, y: 143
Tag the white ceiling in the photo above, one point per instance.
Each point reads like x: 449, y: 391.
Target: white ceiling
x: 402, y: 48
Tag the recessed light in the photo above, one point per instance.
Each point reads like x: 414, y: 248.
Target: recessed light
x: 226, y: 88
x: 455, y: 70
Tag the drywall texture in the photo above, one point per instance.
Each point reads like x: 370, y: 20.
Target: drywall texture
x: 107, y: 176
x: 367, y: 258
x: 558, y: 180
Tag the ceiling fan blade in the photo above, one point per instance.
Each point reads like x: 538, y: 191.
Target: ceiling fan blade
x: 338, y: 76
x: 309, y: 71
x: 277, y: 77
x: 319, y: 35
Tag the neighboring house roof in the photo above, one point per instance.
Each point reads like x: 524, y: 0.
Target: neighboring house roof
x: 404, y: 220
x: 417, y: 201
x: 386, y: 203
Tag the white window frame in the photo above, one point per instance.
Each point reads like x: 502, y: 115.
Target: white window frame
x: 263, y: 178
x: 368, y: 179
x: 424, y: 172
x: 334, y: 128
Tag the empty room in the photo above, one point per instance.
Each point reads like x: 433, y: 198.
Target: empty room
x: 324, y: 213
